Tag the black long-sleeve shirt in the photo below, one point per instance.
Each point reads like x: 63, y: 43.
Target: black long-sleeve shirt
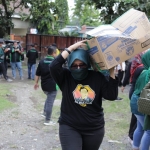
x: 127, y: 75
x: 134, y: 79
x: 32, y: 55
x: 87, y: 116
x: 47, y: 82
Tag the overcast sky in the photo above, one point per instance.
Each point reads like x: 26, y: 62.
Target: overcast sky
x: 70, y: 5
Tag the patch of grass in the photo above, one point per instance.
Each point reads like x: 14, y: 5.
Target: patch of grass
x: 41, y: 97
x: 56, y: 112
x: 24, y: 67
x: 59, y: 95
x: 117, y: 117
x: 4, y: 102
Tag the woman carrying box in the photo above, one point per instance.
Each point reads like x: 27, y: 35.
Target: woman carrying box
x: 81, y: 121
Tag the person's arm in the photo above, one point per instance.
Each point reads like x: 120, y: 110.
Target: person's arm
x: 18, y: 50
x: 38, y: 75
x: 111, y: 72
x: 71, y: 48
x: 36, y: 85
x: 126, y: 78
x: 6, y: 50
x: 109, y: 88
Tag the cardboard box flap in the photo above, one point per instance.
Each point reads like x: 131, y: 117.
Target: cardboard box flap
x: 103, y: 30
x: 133, y: 23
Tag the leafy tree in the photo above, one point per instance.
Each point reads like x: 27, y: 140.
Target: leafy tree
x: 7, y: 9
x: 47, y: 16
x: 63, y: 18
x: 43, y: 15
x: 85, y: 14
x: 112, y: 9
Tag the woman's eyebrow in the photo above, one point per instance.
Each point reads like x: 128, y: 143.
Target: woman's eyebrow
x: 78, y: 64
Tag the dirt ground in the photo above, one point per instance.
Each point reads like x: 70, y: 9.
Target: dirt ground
x: 22, y: 128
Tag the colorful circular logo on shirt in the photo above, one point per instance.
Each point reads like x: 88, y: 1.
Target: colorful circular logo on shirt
x: 83, y: 95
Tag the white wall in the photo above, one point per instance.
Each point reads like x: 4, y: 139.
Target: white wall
x: 20, y: 27
x: 18, y: 23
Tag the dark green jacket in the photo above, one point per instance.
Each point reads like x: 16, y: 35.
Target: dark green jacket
x: 1, y: 55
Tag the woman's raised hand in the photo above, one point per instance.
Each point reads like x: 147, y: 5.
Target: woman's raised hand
x: 77, y: 45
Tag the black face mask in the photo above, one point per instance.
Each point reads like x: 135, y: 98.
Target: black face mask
x: 79, y: 74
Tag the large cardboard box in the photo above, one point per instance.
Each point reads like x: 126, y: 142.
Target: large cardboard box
x: 121, y: 40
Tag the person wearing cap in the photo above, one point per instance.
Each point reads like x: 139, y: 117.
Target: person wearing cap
x: 81, y: 121
x: 48, y: 84
x: 32, y: 55
x: 15, y: 60
x: 2, y: 65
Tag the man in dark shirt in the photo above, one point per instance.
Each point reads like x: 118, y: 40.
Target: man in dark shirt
x: 32, y: 55
x: 48, y: 85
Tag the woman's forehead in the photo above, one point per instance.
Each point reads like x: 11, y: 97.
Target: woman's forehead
x: 77, y: 61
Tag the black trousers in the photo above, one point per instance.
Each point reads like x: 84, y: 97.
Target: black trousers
x: 133, y: 124
x: 6, y: 66
x: 73, y: 139
x: 3, y: 70
x: 133, y: 121
x: 120, y: 77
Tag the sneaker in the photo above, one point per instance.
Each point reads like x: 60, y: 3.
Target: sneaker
x: 118, y: 99
x: 103, y: 99
x: 14, y: 78
x: 49, y: 123
x: 43, y: 115
x: 9, y: 80
x: 130, y: 140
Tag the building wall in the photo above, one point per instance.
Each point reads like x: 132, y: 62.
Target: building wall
x: 18, y: 23
x: 20, y: 27
x: 19, y: 31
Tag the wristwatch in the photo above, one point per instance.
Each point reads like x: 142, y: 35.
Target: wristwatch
x: 67, y: 51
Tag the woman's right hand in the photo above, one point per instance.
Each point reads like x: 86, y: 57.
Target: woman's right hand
x: 71, y: 48
x: 122, y: 88
x: 77, y: 45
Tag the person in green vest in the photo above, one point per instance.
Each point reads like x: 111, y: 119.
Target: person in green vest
x: 48, y: 84
x: 2, y: 65
x: 15, y: 60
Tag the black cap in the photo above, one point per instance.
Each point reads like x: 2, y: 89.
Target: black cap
x: 54, y: 44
